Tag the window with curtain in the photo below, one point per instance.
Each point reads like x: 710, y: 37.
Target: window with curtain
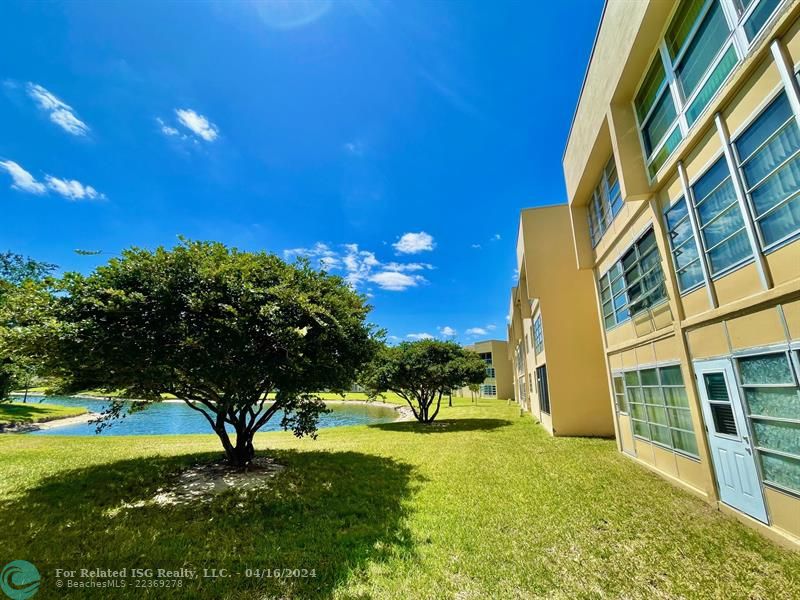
x: 721, y: 222
x: 634, y: 283
x: 659, y: 408
x: 538, y: 335
x: 606, y: 202
x: 683, y: 245
x: 772, y: 402
x: 769, y: 156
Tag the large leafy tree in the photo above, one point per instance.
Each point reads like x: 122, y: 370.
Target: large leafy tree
x: 422, y: 372
x: 218, y: 328
x: 20, y: 278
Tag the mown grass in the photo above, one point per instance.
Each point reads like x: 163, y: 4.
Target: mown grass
x: 480, y: 505
x: 13, y: 413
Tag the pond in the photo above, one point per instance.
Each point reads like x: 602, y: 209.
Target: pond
x: 176, y: 417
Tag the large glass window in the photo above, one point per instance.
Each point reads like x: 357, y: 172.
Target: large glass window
x: 619, y: 394
x: 659, y: 408
x: 488, y: 390
x: 685, y: 254
x: 721, y: 221
x: 606, y: 202
x: 656, y: 112
x: 538, y: 335
x: 634, y: 283
x: 769, y: 156
x: 696, y: 57
x: 772, y: 401
x: 754, y: 15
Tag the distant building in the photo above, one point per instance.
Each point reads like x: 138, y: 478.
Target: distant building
x: 554, y: 331
x: 498, y: 382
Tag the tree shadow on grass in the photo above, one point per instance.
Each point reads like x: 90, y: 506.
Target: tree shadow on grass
x: 325, y: 514
x: 444, y: 425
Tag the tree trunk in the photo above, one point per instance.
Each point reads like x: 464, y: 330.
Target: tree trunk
x: 243, y: 452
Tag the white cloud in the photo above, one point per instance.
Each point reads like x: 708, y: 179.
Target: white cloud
x: 73, y: 189
x: 413, y: 243
x: 167, y: 129
x: 476, y: 246
x: 197, y: 124
x: 21, y: 179
x: 69, y: 188
x: 60, y: 113
x: 477, y: 331
x: 419, y: 336
x: 361, y: 267
x: 447, y: 331
x: 491, y: 327
x: 394, y: 281
x: 496, y: 237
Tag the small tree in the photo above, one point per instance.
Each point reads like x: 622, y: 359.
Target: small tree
x: 20, y: 279
x: 218, y: 328
x: 422, y: 372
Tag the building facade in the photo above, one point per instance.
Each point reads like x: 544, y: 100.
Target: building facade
x: 553, y: 327
x: 682, y: 170
x: 498, y: 371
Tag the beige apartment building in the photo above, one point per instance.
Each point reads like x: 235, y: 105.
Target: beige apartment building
x: 682, y: 170
x: 498, y: 382
x: 554, y: 332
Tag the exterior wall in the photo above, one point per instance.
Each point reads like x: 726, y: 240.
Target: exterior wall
x: 552, y: 289
x: 753, y: 307
x: 502, y: 366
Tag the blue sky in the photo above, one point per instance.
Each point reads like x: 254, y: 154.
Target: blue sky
x: 394, y: 142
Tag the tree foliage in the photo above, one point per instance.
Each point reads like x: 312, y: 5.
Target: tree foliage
x: 218, y: 328
x: 20, y: 278
x: 422, y: 372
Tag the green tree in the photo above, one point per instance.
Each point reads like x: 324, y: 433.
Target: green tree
x: 422, y: 372
x: 218, y: 328
x: 19, y: 277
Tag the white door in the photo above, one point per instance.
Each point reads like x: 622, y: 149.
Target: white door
x: 728, y: 438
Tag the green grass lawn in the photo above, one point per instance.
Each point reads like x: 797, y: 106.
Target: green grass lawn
x: 18, y: 412
x: 481, y: 505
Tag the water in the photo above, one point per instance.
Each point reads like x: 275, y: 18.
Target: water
x: 175, y: 417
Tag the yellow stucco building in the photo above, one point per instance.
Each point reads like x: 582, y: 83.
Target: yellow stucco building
x: 554, y: 330
x: 498, y: 382
x: 682, y: 171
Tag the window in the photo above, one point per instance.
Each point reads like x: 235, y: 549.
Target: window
x: 606, y: 202
x: 538, y: 335
x: 619, y: 394
x: 754, y: 15
x: 519, y: 358
x: 521, y: 391
x: 772, y: 402
x: 659, y: 408
x: 487, y: 357
x: 490, y: 372
x: 634, y: 283
x: 541, y: 386
x: 658, y: 119
x: 683, y: 245
x: 696, y: 57
x: 488, y: 390
x: 769, y: 156
x: 720, y: 218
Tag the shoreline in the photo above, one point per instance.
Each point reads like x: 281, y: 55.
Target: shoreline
x: 28, y: 427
